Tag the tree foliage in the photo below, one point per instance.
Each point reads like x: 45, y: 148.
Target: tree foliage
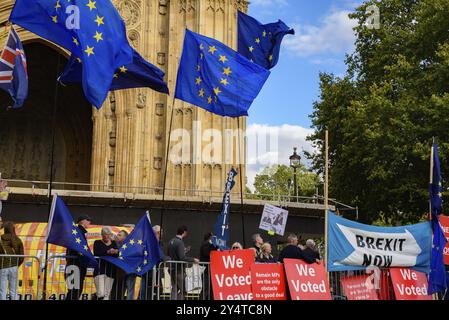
x: 383, y: 113
x: 274, y: 181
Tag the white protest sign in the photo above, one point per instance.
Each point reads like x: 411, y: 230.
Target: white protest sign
x: 387, y: 249
x: 273, y: 219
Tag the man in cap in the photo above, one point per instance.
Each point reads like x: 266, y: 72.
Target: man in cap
x: 74, y: 261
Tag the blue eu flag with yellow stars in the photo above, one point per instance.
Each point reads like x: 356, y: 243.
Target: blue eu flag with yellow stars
x: 214, y: 77
x: 140, y: 73
x: 92, y: 31
x: 437, y: 277
x: 62, y: 231
x: 140, y: 252
x: 261, y: 43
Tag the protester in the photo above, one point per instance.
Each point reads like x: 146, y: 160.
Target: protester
x: 254, y: 252
x: 106, y: 274
x: 309, y: 254
x: 146, y: 283
x: 257, y: 241
x: 76, y: 260
x: 237, y: 246
x: 291, y: 251
x: 265, y: 255
x: 10, y: 244
x: 123, y: 281
x: 207, y: 247
x: 177, y: 252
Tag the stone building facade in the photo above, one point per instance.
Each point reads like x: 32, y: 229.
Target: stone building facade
x: 124, y: 144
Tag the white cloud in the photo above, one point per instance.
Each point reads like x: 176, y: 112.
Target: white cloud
x: 334, y: 34
x: 268, y: 145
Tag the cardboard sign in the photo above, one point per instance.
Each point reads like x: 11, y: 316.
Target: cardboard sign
x: 273, y: 220
x: 231, y: 274
x: 445, y: 225
x: 268, y: 282
x: 409, y: 284
x: 307, y: 281
x: 359, y: 288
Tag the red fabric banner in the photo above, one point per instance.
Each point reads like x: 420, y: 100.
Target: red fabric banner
x: 409, y: 284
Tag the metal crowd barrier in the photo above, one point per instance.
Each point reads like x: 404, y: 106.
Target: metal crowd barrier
x: 19, y: 277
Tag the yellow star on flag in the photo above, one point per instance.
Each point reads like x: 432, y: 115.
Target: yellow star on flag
x: 78, y: 59
x: 99, y: 20
x: 258, y: 40
x: 217, y: 91
x: 139, y: 242
x: 251, y: 49
x: 132, y: 242
x: 209, y: 100
x: 124, y: 246
x: 123, y: 69
x: 55, y: 19
x: 212, y: 49
x: 145, y: 261
x: 138, y: 269
x: 89, y: 51
x: 115, y: 75
x: 264, y: 34
x: 145, y: 253
x: 198, y: 68
x: 201, y: 55
x: 223, y: 59
x: 270, y: 58
x: 201, y: 47
x: 224, y: 81
x: 75, y: 41
x: 201, y: 93
x: 78, y: 240
x: 58, y: 5
x: 86, y: 248
x: 98, y: 36
x: 227, y: 71
x: 74, y: 232
x: 91, y: 5
x: 73, y: 224
x: 198, y: 80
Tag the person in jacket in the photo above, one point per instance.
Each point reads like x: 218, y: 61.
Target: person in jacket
x: 257, y: 242
x: 75, y: 260
x: 291, y: 250
x: 10, y: 244
x: 206, y: 248
x: 147, y: 291
x: 310, y: 254
x: 123, y: 282
x: 107, y: 272
x: 265, y: 255
x: 177, y: 253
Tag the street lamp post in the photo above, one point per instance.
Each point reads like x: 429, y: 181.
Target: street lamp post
x: 295, y: 162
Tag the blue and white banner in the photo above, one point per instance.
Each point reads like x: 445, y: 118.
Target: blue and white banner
x: 221, y: 236
x: 356, y: 246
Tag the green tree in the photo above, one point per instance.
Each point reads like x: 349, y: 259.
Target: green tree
x: 383, y: 113
x: 274, y: 181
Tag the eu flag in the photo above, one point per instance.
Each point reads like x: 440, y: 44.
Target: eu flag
x: 216, y: 78
x: 93, y: 31
x: 140, y: 252
x: 140, y: 73
x: 62, y: 231
x: 13, y: 69
x: 437, y: 277
x: 261, y: 43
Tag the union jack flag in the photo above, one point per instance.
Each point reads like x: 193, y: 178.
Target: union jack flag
x: 13, y: 69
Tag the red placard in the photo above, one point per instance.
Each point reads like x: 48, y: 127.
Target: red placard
x: 231, y: 274
x: 307, y: 281
x: 409, y: 284
x: 359, y: 288
x: 445, y: 225
x: 268, y: 282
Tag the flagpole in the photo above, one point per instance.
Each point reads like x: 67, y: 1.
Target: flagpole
x: 166, y: 166
x: 241, y: 181
x: 326, y: 196
x: 52, y: 162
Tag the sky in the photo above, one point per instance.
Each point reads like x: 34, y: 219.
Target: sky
x: 323, y: 36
